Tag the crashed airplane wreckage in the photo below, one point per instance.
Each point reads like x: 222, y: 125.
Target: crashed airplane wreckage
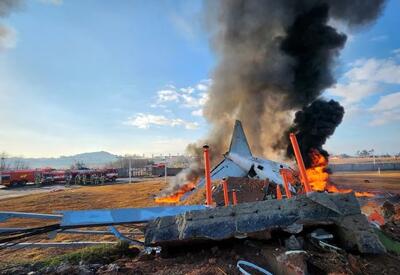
x: 297, y: 209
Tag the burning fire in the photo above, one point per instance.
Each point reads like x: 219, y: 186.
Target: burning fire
x: 316, y: 174
x: 318, y: 177
x: 175, y: 197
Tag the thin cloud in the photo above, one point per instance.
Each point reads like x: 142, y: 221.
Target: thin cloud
x: 354, y: 92
x: 167, y: 95
x: 368, y: 77
x: 198, y: 112
x: 386, y: 110
x: 192, y: 97
x: 387, y: 102
x: 375, y: 70
x: 145, y: 121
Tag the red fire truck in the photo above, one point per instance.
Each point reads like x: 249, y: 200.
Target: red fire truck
x: 110, y: 174
x: 53, y: 176
x: 18, y: 177
x: 91, y: 176
x: 13, y: 178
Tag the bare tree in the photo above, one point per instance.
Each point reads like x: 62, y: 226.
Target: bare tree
x: 20, y: 164
x: 4, y: 164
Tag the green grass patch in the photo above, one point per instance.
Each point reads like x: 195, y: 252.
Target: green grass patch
x: 103, y: 254
x: 390, y: 245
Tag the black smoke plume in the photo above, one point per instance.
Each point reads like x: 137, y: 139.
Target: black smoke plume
x: 313, y: 125
x: 274, y: 58
x: 312, y: 45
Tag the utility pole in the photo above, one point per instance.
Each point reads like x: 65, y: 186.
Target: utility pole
x: 2, y: 167
x: 3, y: 163
x: 130, y: 170
x: 165, y: 170
x: 373, y: 156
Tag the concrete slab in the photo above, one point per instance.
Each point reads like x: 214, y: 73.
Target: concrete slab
x: 245, y: 219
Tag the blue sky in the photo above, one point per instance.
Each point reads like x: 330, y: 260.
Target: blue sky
x: 131, y: 77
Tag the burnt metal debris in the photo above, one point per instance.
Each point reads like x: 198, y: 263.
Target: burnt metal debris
x: 173, y: 226
x: 246, y: 219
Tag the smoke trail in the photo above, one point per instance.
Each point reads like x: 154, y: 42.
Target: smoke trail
x: 7, y: 34
x: 313, y: 125
x: 274, y: 58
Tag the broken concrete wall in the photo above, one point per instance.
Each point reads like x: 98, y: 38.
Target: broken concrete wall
x: 246, y: 219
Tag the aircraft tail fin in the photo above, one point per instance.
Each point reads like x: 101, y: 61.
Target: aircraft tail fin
x: 239, y: 144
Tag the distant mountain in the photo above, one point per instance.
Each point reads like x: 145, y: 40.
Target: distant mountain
x: 93, y: 159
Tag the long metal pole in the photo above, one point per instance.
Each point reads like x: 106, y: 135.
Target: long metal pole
x: 225, y: 188
x: 286, y: 183
x: 207, y: 175
x: 300, y: 162
x: 234, y: 197
x: 278, y: 192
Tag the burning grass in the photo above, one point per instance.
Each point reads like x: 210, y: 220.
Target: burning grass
x: 176, y: 195
x: 319, y: 178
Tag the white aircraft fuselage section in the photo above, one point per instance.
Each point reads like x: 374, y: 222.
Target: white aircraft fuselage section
x: 239, y: 162
x: 262, y: 168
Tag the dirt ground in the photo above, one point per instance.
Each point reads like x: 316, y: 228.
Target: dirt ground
x: 87, y: 197
x: 31, y: 188
x: 134, y: 195
x: 386, y: 181
x: 358, y: 160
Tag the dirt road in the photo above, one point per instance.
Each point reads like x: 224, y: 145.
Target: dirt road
x: 31, y: 188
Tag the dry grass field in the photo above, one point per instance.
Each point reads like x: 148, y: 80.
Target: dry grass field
x: 386, y: 181
x: 357, y: 160
x: 89, y: 197
x: 138, y: 195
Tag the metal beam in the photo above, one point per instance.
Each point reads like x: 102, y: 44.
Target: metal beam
x: 58, y: 245
x: 97, y: 217
x: 122, y: 237
x: 5, y: 215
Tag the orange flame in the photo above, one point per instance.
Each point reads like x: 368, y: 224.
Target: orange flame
x: 175, y: 197
x: 316, y: 174
x: 318, y: 177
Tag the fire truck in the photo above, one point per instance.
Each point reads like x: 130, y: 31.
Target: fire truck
x: 52, y: 176
x: 110, y: 174
x: 91, y: 176
x: 13, y: 178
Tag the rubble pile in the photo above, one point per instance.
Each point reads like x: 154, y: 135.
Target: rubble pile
x: 263, y: 217
x: 222, y: 257
x: 247, y: 190
x: 318, y: 233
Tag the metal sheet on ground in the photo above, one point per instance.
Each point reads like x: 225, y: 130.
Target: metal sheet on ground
x: 5, y: 215
x: 96, y: 217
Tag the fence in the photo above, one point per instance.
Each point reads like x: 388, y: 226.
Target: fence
x: 348, y: 167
